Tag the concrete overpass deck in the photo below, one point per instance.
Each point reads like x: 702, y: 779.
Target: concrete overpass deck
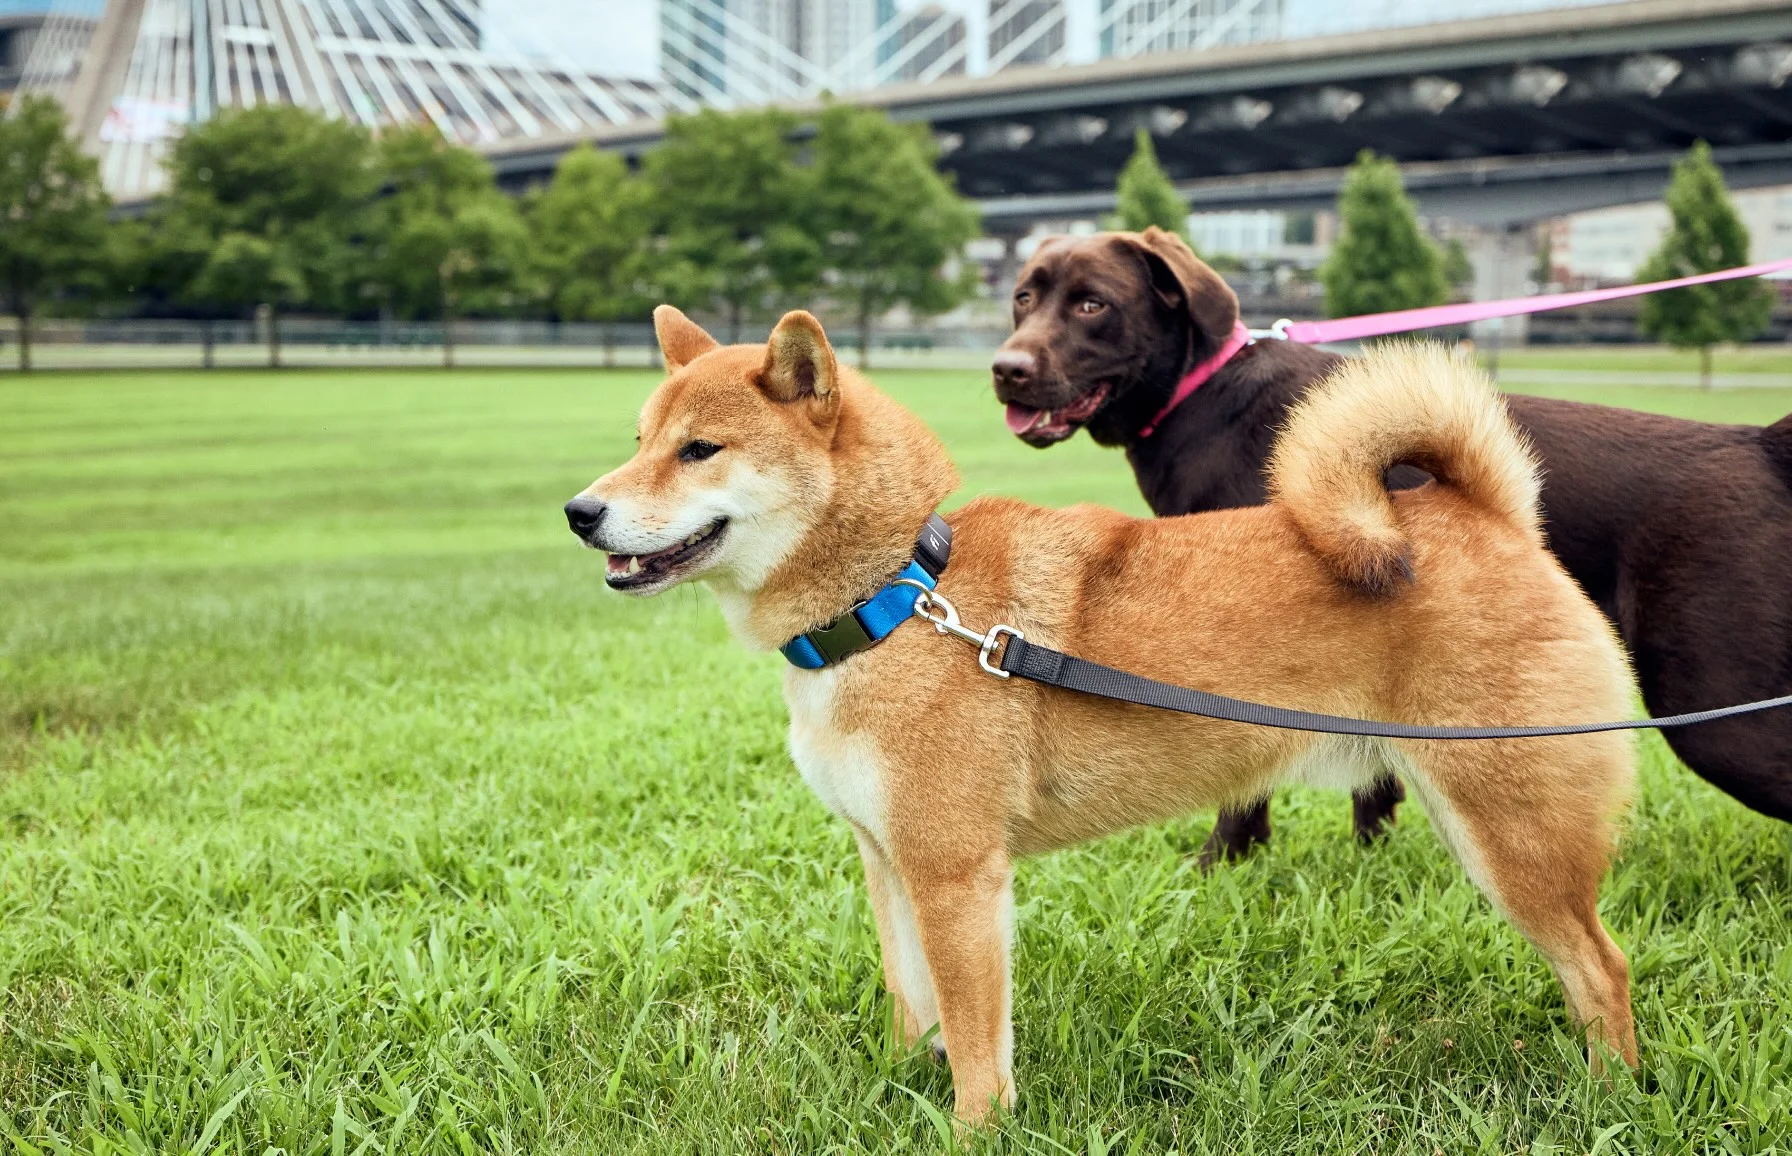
x: 1496, y: 120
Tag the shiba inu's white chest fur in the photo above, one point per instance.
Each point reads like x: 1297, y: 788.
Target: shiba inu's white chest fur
x: 843, y: 767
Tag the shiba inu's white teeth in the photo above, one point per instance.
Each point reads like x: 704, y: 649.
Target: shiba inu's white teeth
x: 695, y: 538
x: 634, y: 564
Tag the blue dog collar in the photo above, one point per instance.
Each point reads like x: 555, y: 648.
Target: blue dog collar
x: 873, y: 620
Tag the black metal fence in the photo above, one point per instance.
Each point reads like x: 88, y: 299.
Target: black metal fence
x: 316, y: 342
x: 306, y: 341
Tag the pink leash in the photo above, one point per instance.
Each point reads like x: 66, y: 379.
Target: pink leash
x: 1406, y: 320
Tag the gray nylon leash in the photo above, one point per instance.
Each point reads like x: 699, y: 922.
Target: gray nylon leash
x: 1049, y: 667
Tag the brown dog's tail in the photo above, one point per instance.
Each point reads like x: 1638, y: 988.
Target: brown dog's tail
x: 1406, y: 403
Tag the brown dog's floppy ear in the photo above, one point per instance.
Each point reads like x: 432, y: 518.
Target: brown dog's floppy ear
x: 799, y: 362
x: 1184, y: 280
x: 682, y: 340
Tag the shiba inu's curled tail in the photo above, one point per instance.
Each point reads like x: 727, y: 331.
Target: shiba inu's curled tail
x: 1412, y: 403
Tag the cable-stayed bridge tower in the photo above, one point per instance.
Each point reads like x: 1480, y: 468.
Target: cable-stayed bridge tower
x: 134, y: 73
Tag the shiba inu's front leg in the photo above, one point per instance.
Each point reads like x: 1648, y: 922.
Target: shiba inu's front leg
x: 905, y: 968
x: 965, y: 915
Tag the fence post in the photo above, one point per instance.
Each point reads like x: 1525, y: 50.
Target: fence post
x: 207, y: 341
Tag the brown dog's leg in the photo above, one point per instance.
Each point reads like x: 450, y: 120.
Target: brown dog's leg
x: 965, y: 918
x: 1372, y: 808
x: 905, y: 969
x: 1236, y: 833
x: 1535, y: 836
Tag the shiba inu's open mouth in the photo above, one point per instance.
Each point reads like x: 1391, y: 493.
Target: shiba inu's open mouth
x: 639, y: 571
x: 1042, y: 427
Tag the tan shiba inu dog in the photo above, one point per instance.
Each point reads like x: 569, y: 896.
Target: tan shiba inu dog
x: 794, y: 489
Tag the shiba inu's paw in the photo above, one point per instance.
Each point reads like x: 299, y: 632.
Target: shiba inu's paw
x: 983, y: 1111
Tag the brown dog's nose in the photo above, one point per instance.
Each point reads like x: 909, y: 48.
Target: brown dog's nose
x: 1013, y: 368
x: 583, y: 514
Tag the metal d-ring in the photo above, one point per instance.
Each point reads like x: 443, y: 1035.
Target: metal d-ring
x: 989, y: 647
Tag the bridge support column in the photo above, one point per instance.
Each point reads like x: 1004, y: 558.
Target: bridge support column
x: 103, y: 68
x: 1503, y: 259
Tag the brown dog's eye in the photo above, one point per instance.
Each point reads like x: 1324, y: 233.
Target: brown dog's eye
x: 697, y: 451
x: 1091, y: 305
x: 1024, y: 298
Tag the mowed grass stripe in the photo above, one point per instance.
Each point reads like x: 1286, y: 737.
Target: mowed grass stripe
x: 353, y: 808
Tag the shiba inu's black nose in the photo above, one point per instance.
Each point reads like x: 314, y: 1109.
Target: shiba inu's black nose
x: 583, y: 514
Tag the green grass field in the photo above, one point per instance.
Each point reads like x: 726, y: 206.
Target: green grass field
x: 343, y: 810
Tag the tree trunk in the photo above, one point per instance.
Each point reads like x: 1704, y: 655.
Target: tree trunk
x: 864, y: 335
x: 1705, y: 367
x: 24, y: 339
x: 273, y: 338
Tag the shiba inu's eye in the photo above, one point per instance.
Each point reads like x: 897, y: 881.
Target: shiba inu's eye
x: 698, y: 450
x: 1091, y: 305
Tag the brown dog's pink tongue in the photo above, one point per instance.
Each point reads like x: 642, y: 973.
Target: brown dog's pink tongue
x: 1022, y: 418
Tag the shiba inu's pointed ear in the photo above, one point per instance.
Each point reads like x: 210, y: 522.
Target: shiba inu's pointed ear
x: 799, y: 362
x: 682, y: 340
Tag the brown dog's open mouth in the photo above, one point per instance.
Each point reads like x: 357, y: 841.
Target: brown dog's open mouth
x: 635, y: 571
x: 1042, y: 427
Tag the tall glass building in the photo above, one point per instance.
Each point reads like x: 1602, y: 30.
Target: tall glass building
x: 20, y: 23
x: 744, y: 51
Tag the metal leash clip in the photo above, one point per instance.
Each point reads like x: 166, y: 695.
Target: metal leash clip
x: 936, y: 608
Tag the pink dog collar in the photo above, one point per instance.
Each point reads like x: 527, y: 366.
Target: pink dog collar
x: 1197, y: 377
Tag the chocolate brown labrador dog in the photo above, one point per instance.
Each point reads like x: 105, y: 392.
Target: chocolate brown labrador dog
x: 1680, y: 530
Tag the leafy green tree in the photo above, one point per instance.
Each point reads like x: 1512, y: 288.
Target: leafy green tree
x: 1705, y: 235
x: 1145, y: 196
x: 444, y: 241
x: 888, y: 225
x: 588, y: 234
x: 731, y: 201
x: 241, y: 268
x: 1383, y: 260
x: 1459, y: 271
x: 261, y: 208
x: 53, y: 233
